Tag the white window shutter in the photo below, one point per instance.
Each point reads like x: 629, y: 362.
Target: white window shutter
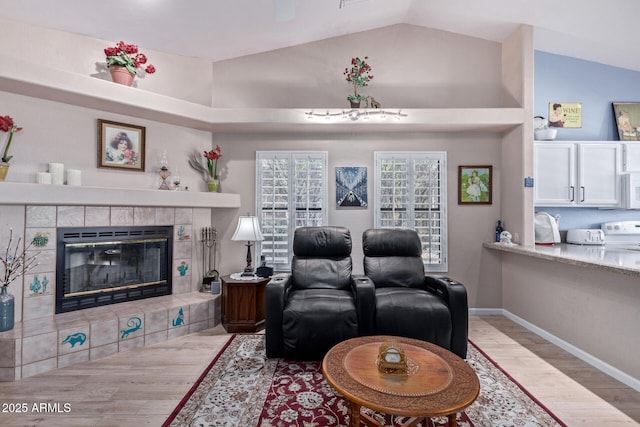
x: 291, y: 192
x: 410, y: 189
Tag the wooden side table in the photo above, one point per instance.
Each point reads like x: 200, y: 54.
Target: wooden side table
x: 243, y: 307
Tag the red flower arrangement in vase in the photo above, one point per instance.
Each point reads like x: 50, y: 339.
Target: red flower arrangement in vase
x: 212, y: 157
x: 7, y: 125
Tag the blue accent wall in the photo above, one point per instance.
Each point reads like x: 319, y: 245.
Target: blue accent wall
x: 589, y: 217
x: 596, y: 86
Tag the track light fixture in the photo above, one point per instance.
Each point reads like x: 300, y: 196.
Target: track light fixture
x: 355, y: 114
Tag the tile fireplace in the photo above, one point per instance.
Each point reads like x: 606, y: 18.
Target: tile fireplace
x: 46, y: 338
x: 97, y: 266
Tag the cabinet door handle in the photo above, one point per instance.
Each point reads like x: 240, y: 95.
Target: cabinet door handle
x: 573, y: 193
x: 582, y: 188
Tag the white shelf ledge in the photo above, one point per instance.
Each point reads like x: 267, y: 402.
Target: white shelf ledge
x: 36, y: 80
x: 13, y: 193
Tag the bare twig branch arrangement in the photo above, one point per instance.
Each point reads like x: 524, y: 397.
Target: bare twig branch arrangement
x: 15, y: 265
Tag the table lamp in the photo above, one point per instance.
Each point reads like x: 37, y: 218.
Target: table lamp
x: 248, y: 229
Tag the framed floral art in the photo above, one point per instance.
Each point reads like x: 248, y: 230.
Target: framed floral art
x: 121, y: 146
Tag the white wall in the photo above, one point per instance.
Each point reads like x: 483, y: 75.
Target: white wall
x: 517, y: 144
x: 56, y: 132
x: 594, y: 310
x: 176, y: 76
x: 413, y: 67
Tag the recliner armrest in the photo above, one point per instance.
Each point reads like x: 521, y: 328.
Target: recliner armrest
x: 365, y: 296
x: 455, y: 295
x: 275, y: 297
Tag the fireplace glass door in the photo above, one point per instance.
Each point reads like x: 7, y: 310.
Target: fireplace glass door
x: 104, y: 266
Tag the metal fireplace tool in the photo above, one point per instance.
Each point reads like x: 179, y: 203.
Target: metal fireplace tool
x: 209, y: 235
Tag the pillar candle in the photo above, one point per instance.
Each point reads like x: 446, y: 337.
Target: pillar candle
x: 57, y: 173
x: 43, y: 178
x: 74, y: 177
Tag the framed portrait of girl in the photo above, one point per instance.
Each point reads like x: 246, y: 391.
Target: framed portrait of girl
x: 121, y: 146
x: 475, y: 185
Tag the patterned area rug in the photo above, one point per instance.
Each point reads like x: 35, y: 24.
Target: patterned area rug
x: 242, y: 388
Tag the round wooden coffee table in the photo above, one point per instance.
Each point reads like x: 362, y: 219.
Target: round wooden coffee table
x: 439, y: 382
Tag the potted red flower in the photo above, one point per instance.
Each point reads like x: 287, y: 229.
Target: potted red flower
x: 125, y: 62
x: 358, y: 75
x: 212, y: 157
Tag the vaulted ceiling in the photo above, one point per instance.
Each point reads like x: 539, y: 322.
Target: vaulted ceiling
x: 595, y: 30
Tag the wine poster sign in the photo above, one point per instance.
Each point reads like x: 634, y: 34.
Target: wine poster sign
x: 565, y: 114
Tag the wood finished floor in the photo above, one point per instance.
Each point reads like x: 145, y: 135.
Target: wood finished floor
x: 141, y: 387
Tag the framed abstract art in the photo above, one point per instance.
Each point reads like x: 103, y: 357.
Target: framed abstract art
x: 351, y: 186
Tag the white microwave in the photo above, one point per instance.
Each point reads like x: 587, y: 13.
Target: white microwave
x: 631, y: 190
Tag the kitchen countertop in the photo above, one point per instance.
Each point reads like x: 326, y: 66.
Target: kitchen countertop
x: 601, y: 257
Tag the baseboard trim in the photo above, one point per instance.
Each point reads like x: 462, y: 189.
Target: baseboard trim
x: 612, y: 371
x: 486, y: 311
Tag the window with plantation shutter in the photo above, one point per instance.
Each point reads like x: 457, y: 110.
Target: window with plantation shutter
x: 291, y: 192
x: 411, y: 192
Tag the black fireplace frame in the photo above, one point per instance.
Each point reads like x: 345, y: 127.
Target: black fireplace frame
x: 69, y: 235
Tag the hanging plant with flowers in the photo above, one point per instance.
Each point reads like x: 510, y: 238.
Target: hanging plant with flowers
x: 7, y: 125
x: 358, y: 75
x: 128, y: 56
x: 212, y: 161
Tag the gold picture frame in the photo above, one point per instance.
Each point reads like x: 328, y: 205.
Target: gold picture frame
x: 121, y: 146
x: 475, y: 185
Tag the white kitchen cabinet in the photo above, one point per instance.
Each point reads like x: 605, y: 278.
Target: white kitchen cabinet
x: 582, y: 174
x: 555, y: 174
x: 631, y: 157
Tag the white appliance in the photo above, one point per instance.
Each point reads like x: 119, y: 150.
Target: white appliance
x: 631, y: 190
x: 625, y: 234
x: 546, y: 229
x: 586, y: 236
x: 541, y: 129
x: 623, y: 242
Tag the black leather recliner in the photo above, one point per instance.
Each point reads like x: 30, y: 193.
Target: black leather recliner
x: 409, y: 303
x: 318, y: 304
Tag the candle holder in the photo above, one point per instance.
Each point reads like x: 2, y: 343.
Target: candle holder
x: 176, y: 180
x: 164, y: 172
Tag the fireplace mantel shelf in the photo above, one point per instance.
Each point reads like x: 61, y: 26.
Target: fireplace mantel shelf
x: 13, y: 193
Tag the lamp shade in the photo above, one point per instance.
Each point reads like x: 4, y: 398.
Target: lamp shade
x: 248, y: 229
